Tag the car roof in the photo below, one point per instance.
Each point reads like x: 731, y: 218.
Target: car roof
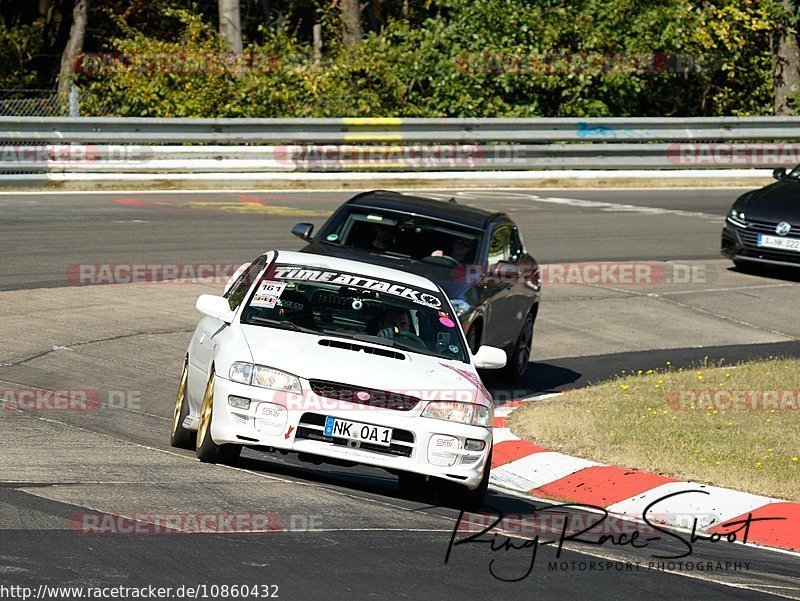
x: 302, y: 259
x: 407, y: 203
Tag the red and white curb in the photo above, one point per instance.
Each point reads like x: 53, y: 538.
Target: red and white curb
x: 522, y: 466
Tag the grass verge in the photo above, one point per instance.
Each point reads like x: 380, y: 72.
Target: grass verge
x: 736, y: 427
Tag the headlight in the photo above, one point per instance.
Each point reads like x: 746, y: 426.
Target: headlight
x: 265, y: 377
x: 241, y: 372
x: 737, y: 218
x: 465, y: 413
x: 462, y: 307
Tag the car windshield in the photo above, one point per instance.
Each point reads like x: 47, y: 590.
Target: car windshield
x: 402, y: 235
x: 349, y: 305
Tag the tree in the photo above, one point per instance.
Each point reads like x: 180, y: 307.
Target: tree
x: 77, y: 33
x: 785, y: 58
x: 230, y: 24
x: 351, y: 22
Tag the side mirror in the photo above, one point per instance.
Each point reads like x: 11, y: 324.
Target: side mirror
x: 502, y: 273
x: 215, y: 306
x: 490, y: 357
x: 779, y: 172
x: 303, y: 230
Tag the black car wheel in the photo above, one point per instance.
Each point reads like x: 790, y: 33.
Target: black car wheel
x: 181, y: 437
x: 473, y: 338
x: 458, y: 496
x: 518, y: 360
x: 207, y: 450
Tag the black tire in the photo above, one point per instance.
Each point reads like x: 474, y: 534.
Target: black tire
x: 229, y: 453
x: 414, y: 484
x: 519, y: 358
x: 207, y: 450
x: 181, y: 437
x: 458, y: 496
x: 473, y: 336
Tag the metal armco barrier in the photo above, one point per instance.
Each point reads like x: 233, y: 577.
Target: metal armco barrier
x: 41, y: 145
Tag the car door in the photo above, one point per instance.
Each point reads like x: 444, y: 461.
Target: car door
x: 501, y: 320
x: 522, y: 294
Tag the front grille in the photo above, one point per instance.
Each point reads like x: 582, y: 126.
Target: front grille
x: 768, y: 227
x: 377, y: 398
x: 312, y: 427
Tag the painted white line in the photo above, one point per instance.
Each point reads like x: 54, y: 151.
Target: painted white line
x: 710, y: 507
x: 270, y: 191
x: 625, y: 208
x: 502, y: 435
x: 537, y: 470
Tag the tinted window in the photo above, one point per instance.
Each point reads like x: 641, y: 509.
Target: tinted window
x: 500, y: 245
x: 346, y: 305
x: 238, y: 290
x: 517, y: 248
x: 401, y: 235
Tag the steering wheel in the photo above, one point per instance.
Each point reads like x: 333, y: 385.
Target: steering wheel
x: 441, y: 260
x: 411, y: 339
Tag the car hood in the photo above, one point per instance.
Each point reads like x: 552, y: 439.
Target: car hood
x: 777, y: 202
x: 451, y: 279
x: 417, y: 375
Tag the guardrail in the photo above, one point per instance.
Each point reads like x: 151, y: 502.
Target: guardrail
x: 56, y: 145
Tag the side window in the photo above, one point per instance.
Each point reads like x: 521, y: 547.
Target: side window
x: 240, y: 287
x: 499, y: 247
x: 517, y: 248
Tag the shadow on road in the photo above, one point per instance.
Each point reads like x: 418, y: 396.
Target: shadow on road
x: 540, y: 378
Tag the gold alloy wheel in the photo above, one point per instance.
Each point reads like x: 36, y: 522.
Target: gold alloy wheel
x: 181, y: 398
x: 205, y: 411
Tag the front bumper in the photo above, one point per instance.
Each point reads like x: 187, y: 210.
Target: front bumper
x: 421, y: 445
x: 741, y: 244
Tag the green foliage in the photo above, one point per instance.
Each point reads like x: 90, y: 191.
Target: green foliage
x: 16, y: 47
x: 462, y: 58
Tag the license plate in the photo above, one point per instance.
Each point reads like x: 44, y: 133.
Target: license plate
x: 781, y: 243
x: 341, y: 428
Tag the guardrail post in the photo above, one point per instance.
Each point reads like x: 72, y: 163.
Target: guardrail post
x: 74, y: 101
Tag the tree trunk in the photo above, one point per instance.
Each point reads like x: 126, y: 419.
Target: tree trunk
x: 351, y: 22
x: 785, y: 62
x: 77, y: 32
x: 230, y: 24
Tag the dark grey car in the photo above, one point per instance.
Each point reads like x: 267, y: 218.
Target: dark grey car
x: 476, y: 256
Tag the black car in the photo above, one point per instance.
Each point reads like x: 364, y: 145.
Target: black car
x: 763, y: 226
x: 476, y: 256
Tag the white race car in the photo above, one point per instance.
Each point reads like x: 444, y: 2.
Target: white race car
x: 341, y: 362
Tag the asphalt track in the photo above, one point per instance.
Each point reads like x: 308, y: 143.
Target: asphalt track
x: 344, y: 533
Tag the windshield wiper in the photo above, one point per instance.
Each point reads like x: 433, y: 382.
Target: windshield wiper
x: 287, y: 325
x: 360, y: 336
